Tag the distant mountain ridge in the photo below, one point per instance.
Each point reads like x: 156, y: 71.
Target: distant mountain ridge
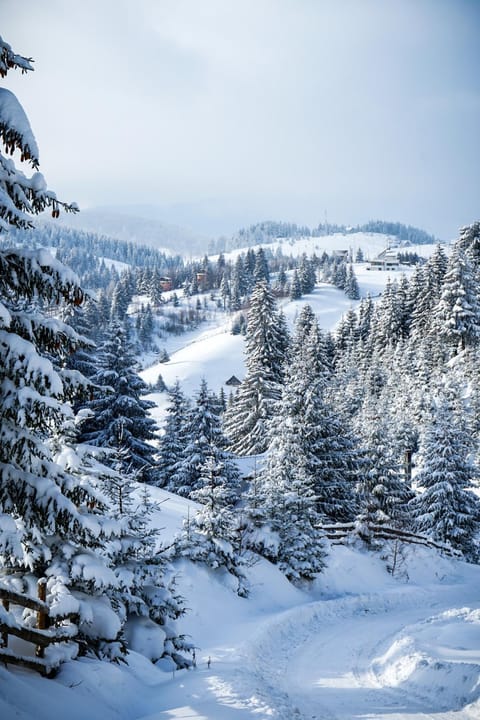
x: 142, y: 229
x: 266, y: 232
x: 142, y: 225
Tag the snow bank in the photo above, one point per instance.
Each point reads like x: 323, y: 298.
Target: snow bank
x: 437, y: 660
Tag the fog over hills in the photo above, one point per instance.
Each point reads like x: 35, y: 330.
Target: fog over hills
x: 139, y: 224
x: 190, y: 232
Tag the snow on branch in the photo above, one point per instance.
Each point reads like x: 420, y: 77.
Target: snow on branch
x: 11, y: 61
x: 15, y: 130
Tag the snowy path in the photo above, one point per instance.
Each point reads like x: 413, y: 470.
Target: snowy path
x: 323, y: 659
x: 320, y: 661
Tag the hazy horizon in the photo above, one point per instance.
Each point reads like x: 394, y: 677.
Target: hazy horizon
x: 276, y: 109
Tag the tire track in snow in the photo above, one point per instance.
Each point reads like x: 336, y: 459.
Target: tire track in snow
x: 276, y: 654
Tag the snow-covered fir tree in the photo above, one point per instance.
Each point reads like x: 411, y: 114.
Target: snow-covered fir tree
x: 446, y: 508
x: 204, y: 441
x: 281, y: 504
x: 457, y: 314
x: 57, y: 520
x: 119, y: 412
x: 209, y: 536
x: 246, y: 420
x: 352, y: 290
x: 173, y: 442
x: 48, y: 526
x: 383, y: 492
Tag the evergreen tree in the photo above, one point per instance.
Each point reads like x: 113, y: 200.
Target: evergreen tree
x: 122, y: 296
x: 447, y: 510
x: 174, y: 439
x: 225, y: 293
x: 246, y: 421
x: 469, y: 243
x: 457, y: 314
x: 352, y: 290
x: 56, y: 521
x: 209, y: 537
x: 119, y: 413
x: 49, y: 528
x: 306, y: 274
x: 383, y: 493
x: 295, y: 287
x: 339, y: 274
x: 261, y: 271
x: 283, y: 509
x: 204, y: 442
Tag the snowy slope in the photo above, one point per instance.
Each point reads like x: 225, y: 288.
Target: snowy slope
x: 370, y: 243
x: 359, y: 643
x: 212, y: 353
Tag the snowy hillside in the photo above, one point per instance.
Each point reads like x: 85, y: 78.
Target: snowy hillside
x: 369, y: 242
x: 359, y: 643
x: 214, y: 354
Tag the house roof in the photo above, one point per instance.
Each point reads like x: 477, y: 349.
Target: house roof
x: 233, y: 381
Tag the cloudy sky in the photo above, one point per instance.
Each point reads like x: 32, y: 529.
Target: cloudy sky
x: 230, y: 111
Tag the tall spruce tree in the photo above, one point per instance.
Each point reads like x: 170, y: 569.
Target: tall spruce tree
x: 54, y: 524
x: 446, y: 509
x: 204, y: 442
x: 457, y: 313
x: 57, y: 521
x: 119, y: 412
x: 173, y: 442
x: 246, y: 421
x: 383, y: 492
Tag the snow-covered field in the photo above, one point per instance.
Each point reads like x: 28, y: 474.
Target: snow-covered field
x: 370, y: 243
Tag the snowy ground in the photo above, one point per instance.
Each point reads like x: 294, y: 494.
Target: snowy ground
x: 358, y: 644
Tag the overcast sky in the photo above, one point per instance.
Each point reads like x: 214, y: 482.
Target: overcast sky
x: 256, y: 109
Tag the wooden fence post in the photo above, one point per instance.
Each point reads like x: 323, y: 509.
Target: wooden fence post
x: 6, y: 605
x: 42, y: 617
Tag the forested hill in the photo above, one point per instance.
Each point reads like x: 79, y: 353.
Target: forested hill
x: 266, y: 232
x: 111, y: 231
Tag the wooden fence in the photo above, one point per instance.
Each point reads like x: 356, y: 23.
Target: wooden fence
x: 48, y: 630
x: 340, y: 532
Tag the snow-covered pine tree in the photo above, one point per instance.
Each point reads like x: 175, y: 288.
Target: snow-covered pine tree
x: 352, y: 291
x: 55, y: 519
x: 20, y: 196
x: 330, y: 448
x: 48, y: 527
x: 446, y: 509
x: 261, y: 272
x: 456, y: 317
x: 205, y: 441
x: 382, y: 490
x: 173, y: 442
x: 210, y: 536
x: 306, y: 274
x: 119, y: 413
x: 295, y: 286
x: 246, y: 420
x: 281, y: 504
x: 469, y: 243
